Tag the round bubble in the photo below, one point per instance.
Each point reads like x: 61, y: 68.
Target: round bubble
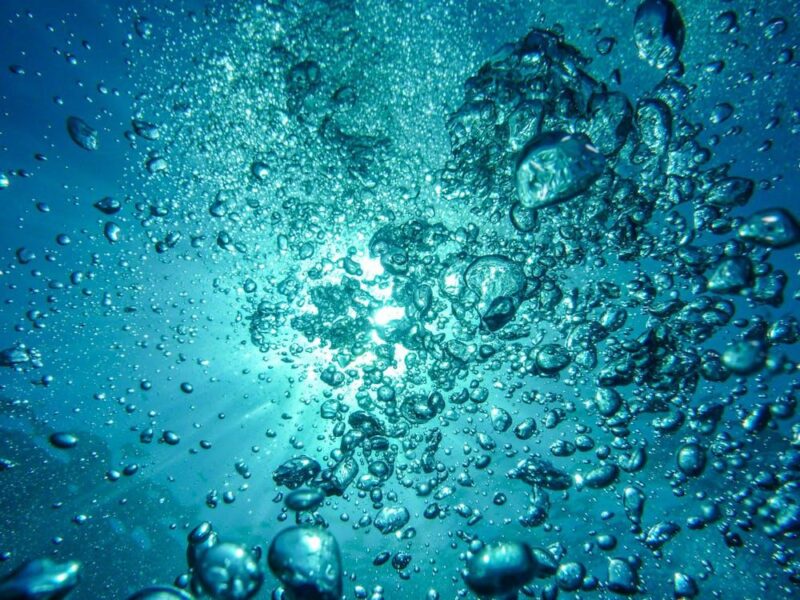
x: 161, y: 592
x: 229, y: 572
x: 307, y: 562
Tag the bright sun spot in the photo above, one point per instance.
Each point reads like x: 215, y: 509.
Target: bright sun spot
x: 371, y: 267
x: 386, y: 314
x: 314, y: 543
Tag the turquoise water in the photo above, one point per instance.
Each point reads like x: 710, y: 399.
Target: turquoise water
x: 391, y: 300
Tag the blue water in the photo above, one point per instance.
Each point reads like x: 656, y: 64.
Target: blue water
x: 504, y: 266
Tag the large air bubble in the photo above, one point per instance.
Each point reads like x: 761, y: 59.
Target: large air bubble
x: 556, y: 166
x: 307, y: 562
x: 658, y: 31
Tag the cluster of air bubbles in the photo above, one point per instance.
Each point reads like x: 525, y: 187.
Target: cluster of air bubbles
x: 305, y: 560
x: 565, y: 358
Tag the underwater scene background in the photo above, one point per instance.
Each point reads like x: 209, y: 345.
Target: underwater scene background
x: 415, y: 299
